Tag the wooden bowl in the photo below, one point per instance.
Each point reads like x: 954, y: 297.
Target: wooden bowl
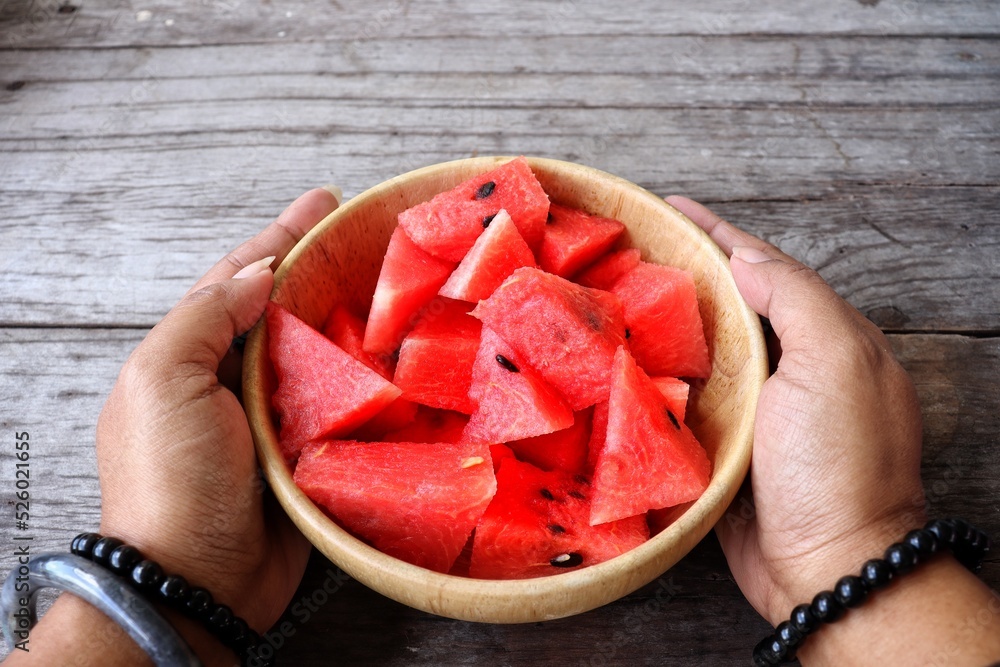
x: 339, y: 261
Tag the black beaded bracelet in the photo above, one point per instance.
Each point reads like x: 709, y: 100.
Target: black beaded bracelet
x: 173, y: 591
x: 967, y: 543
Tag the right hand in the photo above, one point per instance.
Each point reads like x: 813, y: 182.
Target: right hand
x: 835, y: 476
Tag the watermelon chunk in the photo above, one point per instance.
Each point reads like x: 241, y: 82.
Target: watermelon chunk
x: 604, y: 273
x: 409, y: 279
x: 431, y: 425
x: 564, y: 450
x: 675, y: 392
x: 494, y: 256
x: 448, y: 225
x: 566, y: 332
x: 538, y: 525
x: 661, y: 311
x: 650, y: 458
x: 415, y: 501
x: 347, y: 331
x: 574, y: 239
x: 322, y: 390
x: 435, y: 360
x: 513, y: 401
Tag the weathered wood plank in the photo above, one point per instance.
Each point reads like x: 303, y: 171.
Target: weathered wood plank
x: 103, y: 251
x: 515, y: 71
x: 40, y: 23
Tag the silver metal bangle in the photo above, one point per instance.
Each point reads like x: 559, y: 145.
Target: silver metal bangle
x: 101, y: 588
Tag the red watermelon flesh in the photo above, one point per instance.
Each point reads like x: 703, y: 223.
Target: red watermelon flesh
x: 409, y: 279
x: 499, y: 452
x: 431, y: 425
x: 436, y: 358
x: 347, y: 330
x: 496, y: 254
x: 322, y: 390
x: 650, y: 459
x: 675, y: 395
x: 538, y: 525
x: 563, y: 450
x: 513, y: 401
x: 566, y: 332
x: 418, y: 502
x: 573, y: 239
x: 665, y: 327
x: 448, y: 225
x: 605, y: 272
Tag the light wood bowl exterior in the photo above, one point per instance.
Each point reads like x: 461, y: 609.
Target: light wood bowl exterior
x: 339, y: 261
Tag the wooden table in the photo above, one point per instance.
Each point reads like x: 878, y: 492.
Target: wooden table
x: 141, y: 141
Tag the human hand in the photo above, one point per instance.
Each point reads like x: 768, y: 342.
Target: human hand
x: 835, y: 476
x: 176, y: 462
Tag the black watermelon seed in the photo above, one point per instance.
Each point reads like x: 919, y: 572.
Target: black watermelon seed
x: 485, y: 190
x: 507, y: 363
x: 487, y: 220
x: 580, y: 479
x: 673, y: 420
x: 547, y: 494
x: 556, y: 528
x: 577, y: 495
x: 567, y: 560
x: 628, y: 334
x: 593, y: 321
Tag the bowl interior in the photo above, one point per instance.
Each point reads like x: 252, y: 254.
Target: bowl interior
x: 339, y: 262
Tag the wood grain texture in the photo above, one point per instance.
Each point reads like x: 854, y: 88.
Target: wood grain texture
x: 138, y: 142
x: 696, y: 616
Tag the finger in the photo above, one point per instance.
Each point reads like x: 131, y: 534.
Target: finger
x: 201, y: 327
x: 725, y: 235
x: 279, y: 237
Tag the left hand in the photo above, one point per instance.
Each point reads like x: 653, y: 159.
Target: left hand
x: 178, y: 473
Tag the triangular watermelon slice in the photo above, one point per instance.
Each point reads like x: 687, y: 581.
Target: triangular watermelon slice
x: 605, y: 272
x: 666, y: 334
x: 650, y: 458
x: 435, y: 360
x: 415, y: 501
x: 538, y: 525
x: 322, y: 390
x: 409, y: 279
x: 573, y: 239
x: 564, y: 450
x: 513, y: 401
x: 448, y: 225
x: 497, y: 253
x: 566, y: 332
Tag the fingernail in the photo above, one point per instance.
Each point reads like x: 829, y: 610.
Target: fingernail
x: 750, y: 255
x: 254, y: 268
x: 336, y: 192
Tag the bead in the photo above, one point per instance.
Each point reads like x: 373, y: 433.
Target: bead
x: 764, y: 654
x: 803, y: 620
x: 876, y: 573
x: 826, y: 608
x: 103, y: 548
x: 123, y: 559
x: 963, y: 531
x: 83, y: 544
x: 220, y: 620
x: 174, y: 591
x: 943, y: 531
x: 850, y: 591
x: 237, y: 635
x: 789, y: 637
x: 146, y: 576
x: 901, y: 558
x: 923, y: 541
x: 199, y: 605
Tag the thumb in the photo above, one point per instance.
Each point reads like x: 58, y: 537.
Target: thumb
x: 201, y: 327
x: 802, y: 308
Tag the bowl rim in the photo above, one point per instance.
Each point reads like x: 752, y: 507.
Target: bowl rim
x: 505, y: 601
